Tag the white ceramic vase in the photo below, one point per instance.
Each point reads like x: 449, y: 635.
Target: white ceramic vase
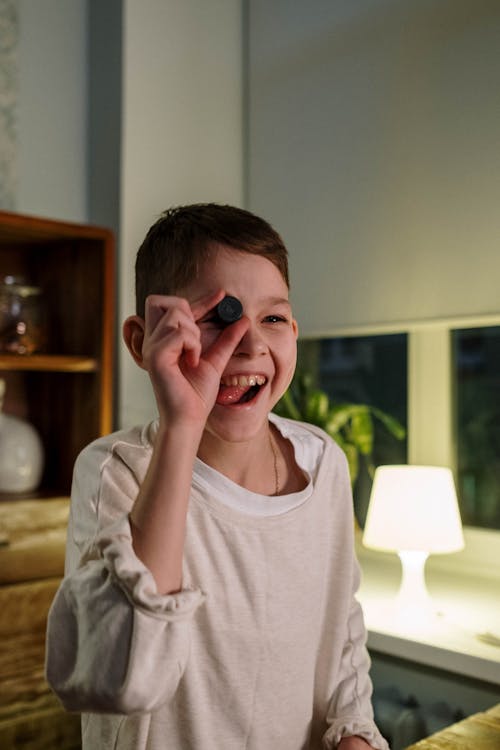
x: 21, y: 453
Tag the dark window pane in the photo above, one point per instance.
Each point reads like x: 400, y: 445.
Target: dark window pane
x: 477, y: 415
x: 364, y: 370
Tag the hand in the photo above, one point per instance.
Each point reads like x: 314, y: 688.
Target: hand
x: 353, y: 743
x: 185, y: 377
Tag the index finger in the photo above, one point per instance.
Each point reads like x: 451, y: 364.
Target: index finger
x: 204, y: 304
x: 158, y: 304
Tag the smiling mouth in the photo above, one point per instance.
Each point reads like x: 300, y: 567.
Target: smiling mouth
x: 239, y: 389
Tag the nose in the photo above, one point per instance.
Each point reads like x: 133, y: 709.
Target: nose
x: 251, y: 345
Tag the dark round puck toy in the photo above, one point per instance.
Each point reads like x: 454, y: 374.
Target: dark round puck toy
x: 229, y: 310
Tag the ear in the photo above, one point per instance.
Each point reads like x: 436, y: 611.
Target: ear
x: 133, y: 335
x: 295, y: 328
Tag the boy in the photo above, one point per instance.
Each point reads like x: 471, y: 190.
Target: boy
x: 209, y: 596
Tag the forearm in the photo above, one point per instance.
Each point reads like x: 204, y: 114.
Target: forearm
x: 158, y: 518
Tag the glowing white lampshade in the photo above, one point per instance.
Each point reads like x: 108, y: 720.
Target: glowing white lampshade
x: 413, y: 511
x: 413, y: 508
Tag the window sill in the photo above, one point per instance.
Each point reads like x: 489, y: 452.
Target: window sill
x: 467, y: 605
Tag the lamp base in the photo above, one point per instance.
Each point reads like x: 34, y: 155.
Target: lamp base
x: 413, y: 605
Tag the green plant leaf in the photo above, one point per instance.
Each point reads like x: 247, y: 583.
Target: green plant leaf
x: 390, y: 423
x: 338, y: 417
x: 362, y: 430
x: 317, y: 406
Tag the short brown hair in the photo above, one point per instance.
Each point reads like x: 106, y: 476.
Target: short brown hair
x: 176, y: 245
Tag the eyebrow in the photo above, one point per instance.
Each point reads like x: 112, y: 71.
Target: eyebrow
x: 276, y: 301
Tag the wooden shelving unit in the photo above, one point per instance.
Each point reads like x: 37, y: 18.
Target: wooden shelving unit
x: 65, y: 391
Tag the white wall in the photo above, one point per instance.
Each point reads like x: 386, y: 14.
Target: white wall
x: 182, y: 132
x: 52, y: 109
x: 374, y: 147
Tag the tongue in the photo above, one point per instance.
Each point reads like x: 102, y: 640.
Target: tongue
x: 231, y: 394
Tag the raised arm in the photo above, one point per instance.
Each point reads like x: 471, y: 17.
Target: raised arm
x: 185, y: 380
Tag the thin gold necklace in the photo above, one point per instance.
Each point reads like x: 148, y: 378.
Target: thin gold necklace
x: 275, y: 460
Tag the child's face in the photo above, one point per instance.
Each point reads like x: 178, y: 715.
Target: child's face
x: 263, y: 363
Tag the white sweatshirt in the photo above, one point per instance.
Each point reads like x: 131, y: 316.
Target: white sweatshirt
x: 263, y: 649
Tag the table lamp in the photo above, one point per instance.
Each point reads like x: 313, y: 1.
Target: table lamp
x: 413, y: 511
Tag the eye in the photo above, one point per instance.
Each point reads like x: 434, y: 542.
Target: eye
x: 275, y: 319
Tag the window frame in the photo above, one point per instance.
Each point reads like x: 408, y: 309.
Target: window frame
x: 430, y: 393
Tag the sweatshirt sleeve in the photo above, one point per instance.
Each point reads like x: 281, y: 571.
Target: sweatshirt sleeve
x: 350, y: 711
x: 114, y: 644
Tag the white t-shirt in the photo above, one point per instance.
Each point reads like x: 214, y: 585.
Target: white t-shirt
x: 308, y: 451
x: 262, y: 649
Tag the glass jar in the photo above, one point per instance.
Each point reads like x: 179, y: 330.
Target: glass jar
x: 22, y: 325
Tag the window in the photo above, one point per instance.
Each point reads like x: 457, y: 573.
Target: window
x: 442, y: 383
x: 364, y: 370
x: 476, y: 374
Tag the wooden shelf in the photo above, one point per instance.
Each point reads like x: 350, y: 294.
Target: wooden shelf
x: 67, y: 395
x: 66, y: 391
x: 48, y: 363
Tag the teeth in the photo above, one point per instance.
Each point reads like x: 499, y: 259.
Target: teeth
x: 243, y: 380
